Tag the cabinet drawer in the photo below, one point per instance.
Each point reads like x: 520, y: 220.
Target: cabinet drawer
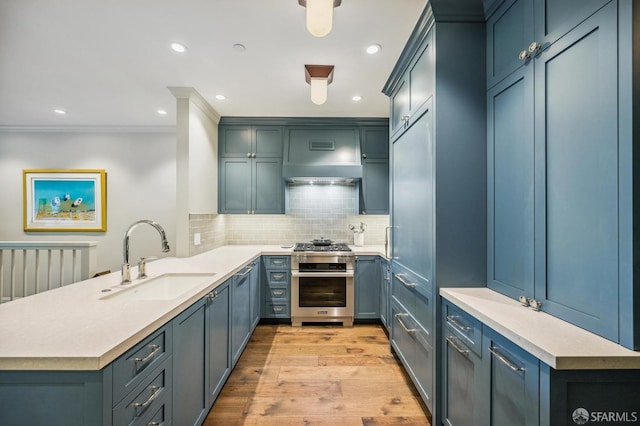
x: 146, y: 398
x: 463, y: 326
x: 136, y: 364
x: 276, y: 309
x: 277, y: 262
x: 277, y: 293
x: 278, y: 277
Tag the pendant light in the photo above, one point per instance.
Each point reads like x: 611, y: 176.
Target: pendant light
x: 319, y: 77
x: 319, y: 15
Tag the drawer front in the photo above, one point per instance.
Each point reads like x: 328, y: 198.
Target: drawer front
x: 276, y: 310
x: 424, y: 314
x: 146, y: 398
x: 277, y: 262
x: 137, y: 363
x: 277, y: 293
x: 278, y: 277
x: 463, y: 326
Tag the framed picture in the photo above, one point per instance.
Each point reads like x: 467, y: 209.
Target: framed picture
x: 58, y: 200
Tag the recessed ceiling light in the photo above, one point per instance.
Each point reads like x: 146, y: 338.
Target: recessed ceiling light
x: 162, y: 112
x: 60, y: 111
x: 178, y: 47
x: 356, y: 98
x: 372, y: 49
x: 221, y: 97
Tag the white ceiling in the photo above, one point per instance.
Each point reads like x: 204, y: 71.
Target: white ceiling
x: 108, y: 62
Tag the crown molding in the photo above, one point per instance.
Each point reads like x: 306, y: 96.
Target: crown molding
x: 195, y: 97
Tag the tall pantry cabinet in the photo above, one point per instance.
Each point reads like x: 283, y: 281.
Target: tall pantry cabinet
x: 438, y: 190
x: 560, y: 160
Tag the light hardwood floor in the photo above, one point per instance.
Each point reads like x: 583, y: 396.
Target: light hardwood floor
x: 318, y: 375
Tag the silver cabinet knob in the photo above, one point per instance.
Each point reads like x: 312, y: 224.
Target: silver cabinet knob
x: 405, y: 118
x: 248, y: 155
x: 524, y: 55
x: 364, y: 155
x: 535, y: 48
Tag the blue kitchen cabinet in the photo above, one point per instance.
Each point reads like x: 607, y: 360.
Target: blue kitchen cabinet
x: 553, y: 234
x: 240, y: 312
x: 463, y: 375
x: 254, y: 278
x: 374, y: 186
x: 200, y: 356
x: 367, y: 287
x: 510, y: 184
x: 438, y: 184
x: 513, y: 386
x: 385, y: 291
x: 190, y: 385
x: 218, y: 353
x: 250, y: 141
x: 250, y: 170
x: 276, y: 287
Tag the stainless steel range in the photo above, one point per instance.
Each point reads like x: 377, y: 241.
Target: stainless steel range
x: 322, y: 283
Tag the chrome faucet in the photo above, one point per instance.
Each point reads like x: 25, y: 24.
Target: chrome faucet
x: 126, y: 267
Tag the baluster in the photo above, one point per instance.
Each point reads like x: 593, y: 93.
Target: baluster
x: 37, y: 272
x: 74, y: 262
x: 24, y: 273
x: 61, y: 267
x: 13, y: 275
x: 49, y: 269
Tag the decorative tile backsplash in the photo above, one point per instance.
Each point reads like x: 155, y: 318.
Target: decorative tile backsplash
x: 312, y: 211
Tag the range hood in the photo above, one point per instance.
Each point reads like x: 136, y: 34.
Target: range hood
x: 322, y: 155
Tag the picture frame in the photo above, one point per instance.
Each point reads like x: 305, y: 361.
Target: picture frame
x: 65, y: 200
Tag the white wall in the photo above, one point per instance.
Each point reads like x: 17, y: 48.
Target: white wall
x: 141, y: 176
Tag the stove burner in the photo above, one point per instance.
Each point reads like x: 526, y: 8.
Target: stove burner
x: 302, y: 247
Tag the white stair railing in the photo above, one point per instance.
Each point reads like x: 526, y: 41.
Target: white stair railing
x: 31, y: 267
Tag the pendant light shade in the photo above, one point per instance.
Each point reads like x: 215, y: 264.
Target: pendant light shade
x: 319, y: 15
x: 319, y: 77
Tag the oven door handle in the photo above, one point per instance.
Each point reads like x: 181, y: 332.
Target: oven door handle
x: 296, y: 274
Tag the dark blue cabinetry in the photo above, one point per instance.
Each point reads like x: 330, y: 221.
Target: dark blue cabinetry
x: 385, y: 292
x: 276, y: 287
x: 553, y: 228
x: 250, y: 170
x: 367, y: 287
x: 374, y: 187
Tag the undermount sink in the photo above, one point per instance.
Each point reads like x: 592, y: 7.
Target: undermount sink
x: 163, y: 287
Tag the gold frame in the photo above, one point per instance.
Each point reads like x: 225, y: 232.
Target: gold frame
x: 63, y: 213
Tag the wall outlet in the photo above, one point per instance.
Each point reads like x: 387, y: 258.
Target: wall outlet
x: 196, y: 239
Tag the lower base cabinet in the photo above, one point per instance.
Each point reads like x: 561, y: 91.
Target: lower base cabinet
x: 489, y: 380
x: 367, y: 287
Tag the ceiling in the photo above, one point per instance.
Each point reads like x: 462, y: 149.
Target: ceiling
x: 108, y: 63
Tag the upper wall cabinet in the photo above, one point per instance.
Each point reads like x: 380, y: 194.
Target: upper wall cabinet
x: 250, y: 141
x: 250, y: 170
x: 374, y: 187
x: 519, y: 29
x: 412, y: 92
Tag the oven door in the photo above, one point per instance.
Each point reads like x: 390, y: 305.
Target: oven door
x: 322, y: 294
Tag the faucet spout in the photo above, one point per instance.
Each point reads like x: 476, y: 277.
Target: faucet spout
x: 126, y: 274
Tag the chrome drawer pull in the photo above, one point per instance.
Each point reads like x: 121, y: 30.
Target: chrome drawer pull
x: 400, y: 277
x: 154, y: 351
x: 278, y: 293
x: 408, y: 330
x: 278, y: 309
x: 212, y: 295
x: 505, y: 360
x: 278, y: 276
x: 141, y: 406
x: 153, y: 424
x: 453, y: 319
x: 278, y: 261
x: 451, y: 341
x: 244, y: 273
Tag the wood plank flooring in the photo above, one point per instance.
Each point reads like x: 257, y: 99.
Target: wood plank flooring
x: 318, y: 375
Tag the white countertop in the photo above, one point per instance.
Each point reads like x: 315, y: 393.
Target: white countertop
x: 70, y: 328
x: 557, y: 343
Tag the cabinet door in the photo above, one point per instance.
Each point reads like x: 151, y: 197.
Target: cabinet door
x: 254, y: 278
x: 189, y: 365
x: 510, y: 182
x: 235, y: 141
x: 400, y: 107
x: 375, y: 187
x: 367, y: 287
x: 268, y: 141
x: 509, y: 31
x: 413, y: 197
x: 268, y: 186
x: 385, y: 273
x: 463, y: 387
x: 218, y: 341
x: 577, y: 187
x: 514, y: 382
x: 555, y: 18
x: 235, y: 185
x: 240, y: 313
x: 375, y: 143
x: 422, y: 76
